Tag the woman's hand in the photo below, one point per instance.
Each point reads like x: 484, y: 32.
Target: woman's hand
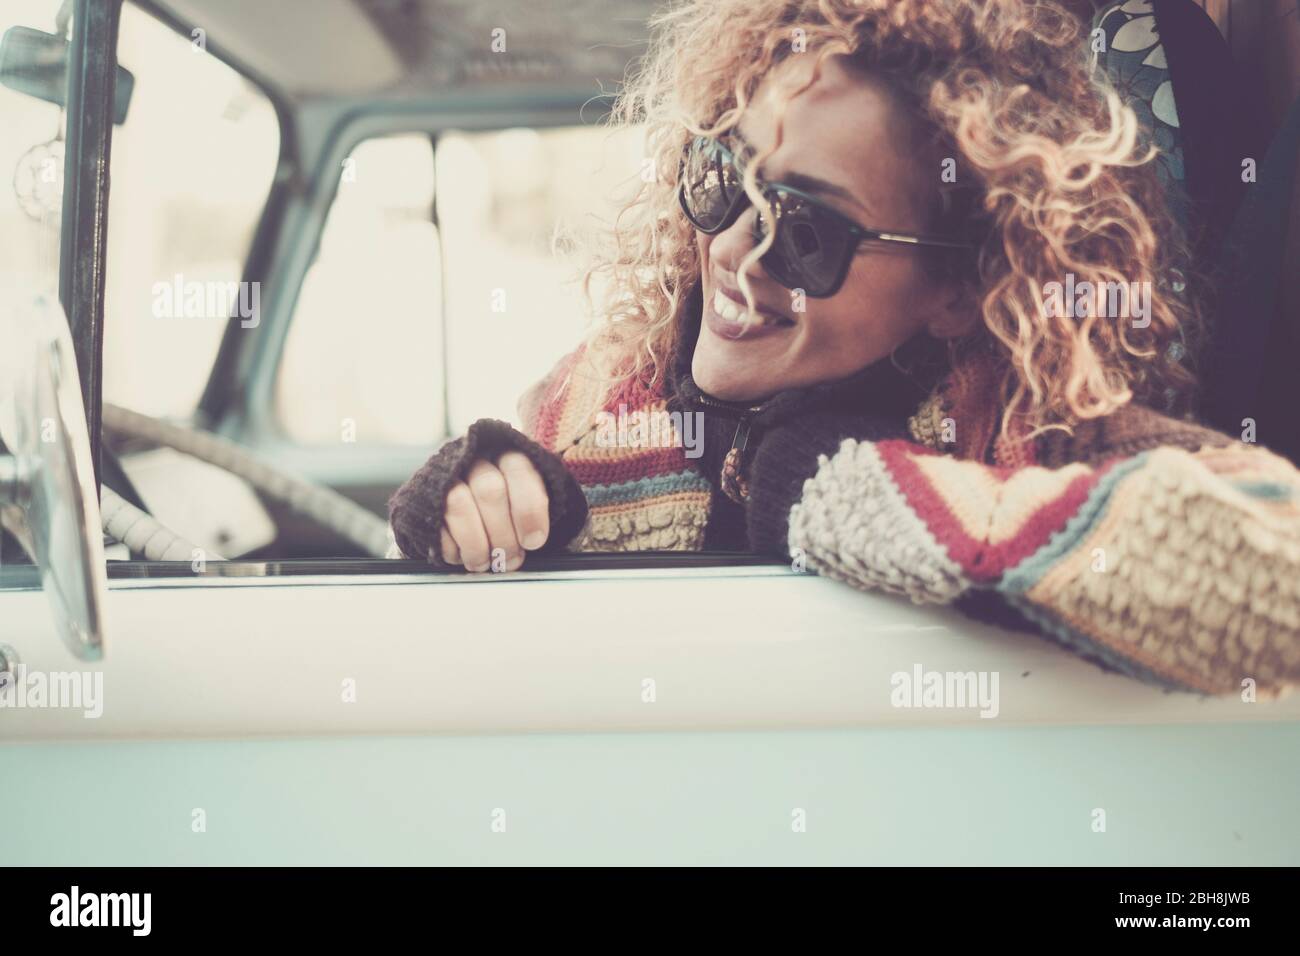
x: 486, y: 499
x: 499, y: 512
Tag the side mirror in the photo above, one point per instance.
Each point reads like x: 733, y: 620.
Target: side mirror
x: 47, y: 471
x: 36, y: 63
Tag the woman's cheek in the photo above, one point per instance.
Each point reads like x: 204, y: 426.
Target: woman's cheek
x: 702, y: 245
x: 833, y: 346
x: 884, y: 308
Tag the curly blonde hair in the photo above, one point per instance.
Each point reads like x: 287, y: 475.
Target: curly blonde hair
x: 1064, y: 181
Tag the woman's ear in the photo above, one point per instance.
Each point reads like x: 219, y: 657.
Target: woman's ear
x: 952, y: 313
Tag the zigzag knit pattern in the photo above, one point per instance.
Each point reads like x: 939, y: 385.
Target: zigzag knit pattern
x: 1175, y: 567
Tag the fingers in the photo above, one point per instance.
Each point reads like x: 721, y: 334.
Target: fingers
x: 460, y: 519
x: 529, y: 505
x: 491, y: 494
x: 450, y: 552
x: 498, y: 511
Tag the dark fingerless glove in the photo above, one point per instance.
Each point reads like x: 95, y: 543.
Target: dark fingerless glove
x: 415, y: 511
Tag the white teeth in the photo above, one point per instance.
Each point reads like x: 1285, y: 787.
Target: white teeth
x: 725, y: 307
x: 732, y: 311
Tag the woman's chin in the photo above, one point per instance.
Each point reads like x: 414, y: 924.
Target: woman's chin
x: 728, y: 386
x: 731, y: 394
x: 740, y: 371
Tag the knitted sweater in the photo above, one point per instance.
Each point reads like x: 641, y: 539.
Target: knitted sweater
x: 1150, y: 546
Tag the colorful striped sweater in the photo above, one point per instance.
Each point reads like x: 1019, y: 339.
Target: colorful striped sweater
x: 1151, y: 546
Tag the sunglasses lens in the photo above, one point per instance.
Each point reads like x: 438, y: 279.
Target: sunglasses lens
x: 710, y: 183
x: 812, y: 244
x: 811, y: 247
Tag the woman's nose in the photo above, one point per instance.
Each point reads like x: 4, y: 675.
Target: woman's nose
x: 730, y: 246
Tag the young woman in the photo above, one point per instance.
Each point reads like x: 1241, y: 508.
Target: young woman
x: 881, y: 262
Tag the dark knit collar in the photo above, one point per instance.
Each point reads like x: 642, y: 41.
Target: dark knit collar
x: 892, y: 387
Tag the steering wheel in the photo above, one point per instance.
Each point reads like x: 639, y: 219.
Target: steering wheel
x: 127, y: 522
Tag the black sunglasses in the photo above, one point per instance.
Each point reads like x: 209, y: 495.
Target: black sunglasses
x: 814, y: 245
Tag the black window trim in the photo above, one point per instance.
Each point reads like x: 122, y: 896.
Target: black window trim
x: 92, y: 76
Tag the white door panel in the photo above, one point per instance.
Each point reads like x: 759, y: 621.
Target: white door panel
x: 564, y: 651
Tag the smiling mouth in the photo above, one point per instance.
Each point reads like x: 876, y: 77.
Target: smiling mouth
x: 733, y: 312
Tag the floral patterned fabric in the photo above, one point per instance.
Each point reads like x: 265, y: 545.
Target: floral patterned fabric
x: 1134, y: 58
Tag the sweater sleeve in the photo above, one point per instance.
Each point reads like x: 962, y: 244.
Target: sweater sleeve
x: 415, y: 511
x: 1179, y: 568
